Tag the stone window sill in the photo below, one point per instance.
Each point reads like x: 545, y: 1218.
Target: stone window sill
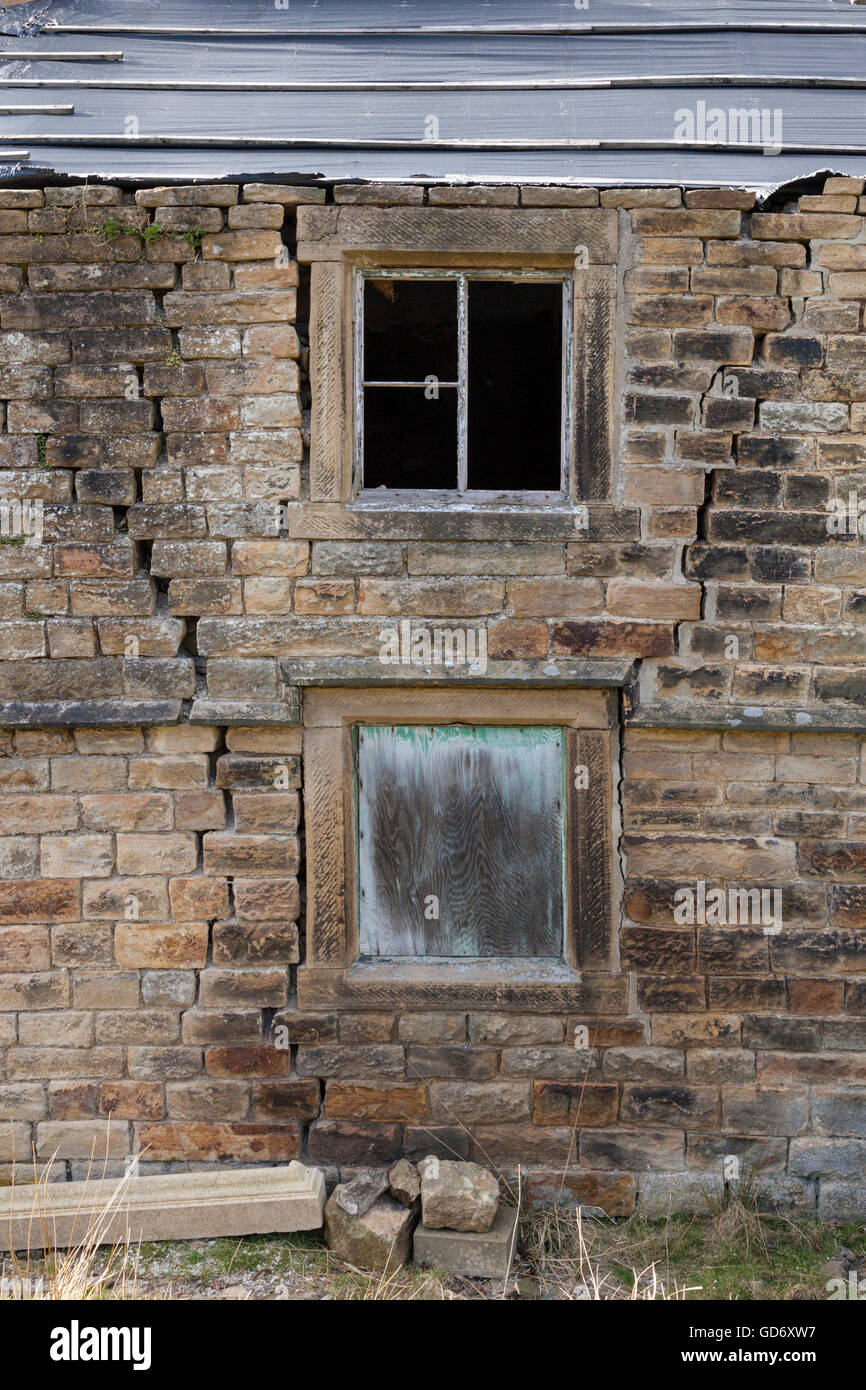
x: 531, y: 985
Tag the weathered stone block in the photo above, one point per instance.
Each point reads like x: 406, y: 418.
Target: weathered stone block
x: 381, y: 1238
x: 345, y: 1142
x: 613, y: 1192
x: 389, y: 1101
x: 479, y: 1255
x: 457, y: 1196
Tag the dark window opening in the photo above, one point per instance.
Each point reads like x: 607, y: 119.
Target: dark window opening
x: 462, y: 383
x: 515, y: 385
x: 410, y: 330
x: 409, y: 438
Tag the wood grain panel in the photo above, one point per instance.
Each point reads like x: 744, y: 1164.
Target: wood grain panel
x: 461, y: 841
x: 330, y: 978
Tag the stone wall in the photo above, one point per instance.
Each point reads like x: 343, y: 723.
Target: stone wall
x: 153, y: 355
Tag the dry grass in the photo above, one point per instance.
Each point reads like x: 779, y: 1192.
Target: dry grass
x: 570, y: 1257
x: 90, y: 1266
x: 732, y: 1250
x: 408, y: 1284
x: 562, y: 1254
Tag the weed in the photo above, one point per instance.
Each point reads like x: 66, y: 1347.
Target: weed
x: 80, y: 1270
x: 111, y: 229
x: 194, y: 239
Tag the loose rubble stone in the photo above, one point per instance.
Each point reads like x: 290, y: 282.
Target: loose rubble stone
x: 380, y: 1239
x: 404, y: 1182
x: 457, y: 1196
x: 358, y: 1196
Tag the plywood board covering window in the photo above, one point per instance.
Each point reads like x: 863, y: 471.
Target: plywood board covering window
x: 460, y: 840
x: 496, y: 801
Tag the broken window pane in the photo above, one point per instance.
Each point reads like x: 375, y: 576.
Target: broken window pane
x: 410, y: 437
x: 515, y: 385
x: 460, y: 840
x: 410, y: 330
x: 491, y: 350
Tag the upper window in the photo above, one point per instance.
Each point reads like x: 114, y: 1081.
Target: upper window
x: 462, y: 382
x: 462, y: 363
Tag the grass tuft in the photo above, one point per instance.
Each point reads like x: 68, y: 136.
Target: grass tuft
x: 88, y: 1268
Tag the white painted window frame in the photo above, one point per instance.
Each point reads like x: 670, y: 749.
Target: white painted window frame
x: 462, y: 493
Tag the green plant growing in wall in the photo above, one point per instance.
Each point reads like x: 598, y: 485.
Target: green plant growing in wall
x: 194, y: 239
x: 111, y: 229
x: 42, y: 450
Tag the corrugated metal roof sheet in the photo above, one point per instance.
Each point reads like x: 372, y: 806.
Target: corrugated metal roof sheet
x: 727, y: 91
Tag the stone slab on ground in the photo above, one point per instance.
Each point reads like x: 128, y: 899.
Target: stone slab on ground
x: 381, y: 1238
x: 164, y: 1206
x: 480, y: 1254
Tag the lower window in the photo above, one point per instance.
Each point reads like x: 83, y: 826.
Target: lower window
x: 461, y: 845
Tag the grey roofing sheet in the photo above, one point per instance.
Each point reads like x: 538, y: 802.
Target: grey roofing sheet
x: 615, y: 92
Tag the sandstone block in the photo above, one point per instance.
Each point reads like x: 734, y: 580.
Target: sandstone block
x: 480, y: 1255
x: 404, y: 1182
x: 381, y: 1238
x: 457, y: 1196
x: 356, y: 1197
x: 384, y: 1101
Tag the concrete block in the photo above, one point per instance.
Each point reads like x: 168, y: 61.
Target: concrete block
x: 480, y: 1254
x: 171, y: 1206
